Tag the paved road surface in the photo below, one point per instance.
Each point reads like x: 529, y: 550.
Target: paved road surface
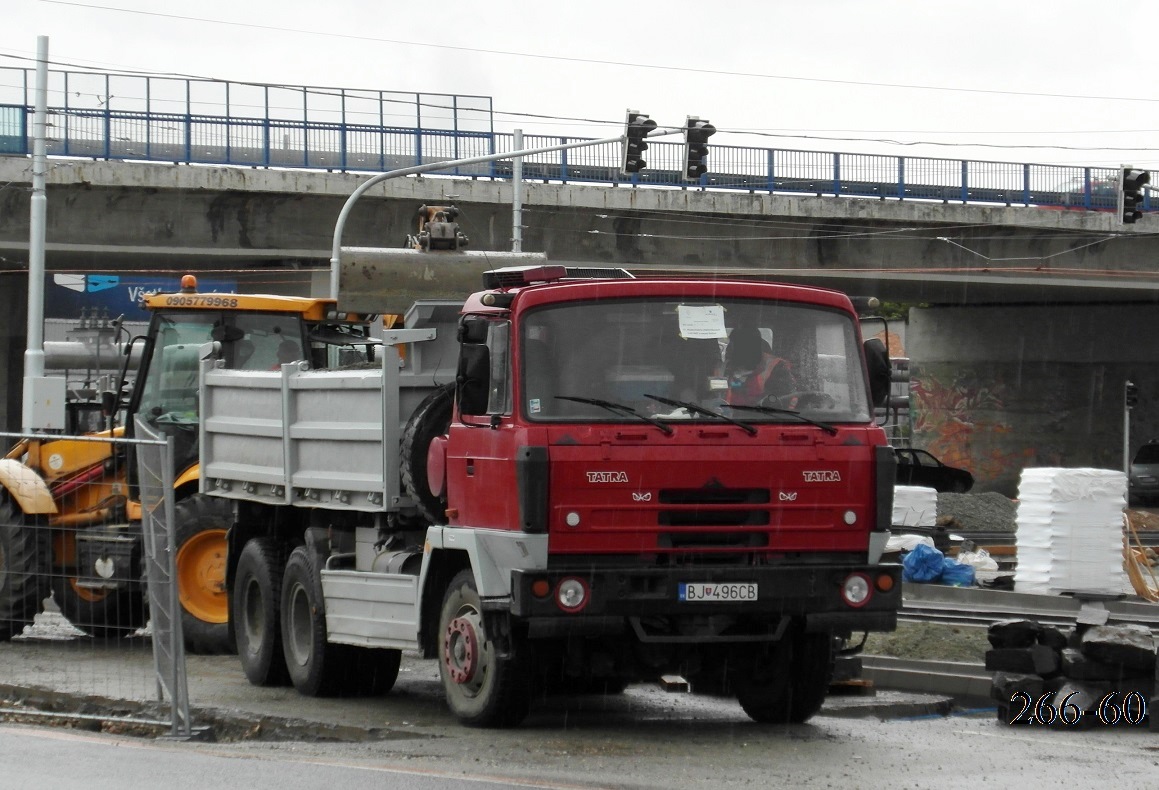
x: 644, y: 738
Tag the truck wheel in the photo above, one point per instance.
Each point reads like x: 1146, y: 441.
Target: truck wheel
x: 313, y: 663
x: 372, y: 670
x: 786, y: 682
x: 257, y: 597
x: 762, y: 681
x: 432, y: 418
x: 23, y: 557
x: 102, y: 614
x: 482, y: 689
x: 200, y: 526
x: 812, y: 673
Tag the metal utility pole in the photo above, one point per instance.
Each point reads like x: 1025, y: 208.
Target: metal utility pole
x: 517, y: 195
x: 34, y: 351
x: 1130, y: 400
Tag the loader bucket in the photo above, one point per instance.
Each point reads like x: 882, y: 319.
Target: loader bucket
x: 374, y: 280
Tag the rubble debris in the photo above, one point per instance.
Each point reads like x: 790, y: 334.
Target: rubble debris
x: 1130, y: 645
x: 1013, y: 633
x: 1034, y: 660
x: 1102, y: 675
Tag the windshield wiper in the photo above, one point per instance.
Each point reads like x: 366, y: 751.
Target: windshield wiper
x: 829, y: 429
x: 618, y: 408
x: 695, y: 408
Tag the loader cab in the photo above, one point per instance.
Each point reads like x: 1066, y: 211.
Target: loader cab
x: 337, y: 345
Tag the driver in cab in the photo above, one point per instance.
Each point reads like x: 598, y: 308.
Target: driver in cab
x: 751, y: 370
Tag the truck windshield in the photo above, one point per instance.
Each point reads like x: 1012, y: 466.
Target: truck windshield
x: 715, y: 354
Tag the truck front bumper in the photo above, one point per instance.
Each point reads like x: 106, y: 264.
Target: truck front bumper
x: 814, y: 594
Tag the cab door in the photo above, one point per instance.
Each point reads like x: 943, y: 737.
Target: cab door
x: 483, y: 441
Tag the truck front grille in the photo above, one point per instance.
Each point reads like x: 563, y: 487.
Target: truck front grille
x: 713, y: 507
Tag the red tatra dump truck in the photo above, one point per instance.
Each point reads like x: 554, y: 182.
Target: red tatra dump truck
x: 619, y: 478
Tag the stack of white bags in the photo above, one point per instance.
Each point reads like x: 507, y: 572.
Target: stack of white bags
x: 914, y: 506
x: 1070, y: 531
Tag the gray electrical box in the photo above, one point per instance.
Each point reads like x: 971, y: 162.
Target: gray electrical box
x: 44, y: 403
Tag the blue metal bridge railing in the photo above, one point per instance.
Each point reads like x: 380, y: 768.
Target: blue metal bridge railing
x: 208, y: 122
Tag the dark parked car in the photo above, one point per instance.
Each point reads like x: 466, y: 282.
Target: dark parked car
x: 919, y: 468
x: 1144, y: 478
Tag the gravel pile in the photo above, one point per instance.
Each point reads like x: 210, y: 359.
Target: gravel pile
x: 989, y: 512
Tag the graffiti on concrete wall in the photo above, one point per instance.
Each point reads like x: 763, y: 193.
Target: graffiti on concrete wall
x: 959, y: 417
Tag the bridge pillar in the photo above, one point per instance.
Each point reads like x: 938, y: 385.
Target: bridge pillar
x: 998, y: 389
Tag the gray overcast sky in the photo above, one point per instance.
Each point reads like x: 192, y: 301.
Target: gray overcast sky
x: 1054, y: 81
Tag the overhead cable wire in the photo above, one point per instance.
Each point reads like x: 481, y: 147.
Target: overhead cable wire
x: 599, y: 61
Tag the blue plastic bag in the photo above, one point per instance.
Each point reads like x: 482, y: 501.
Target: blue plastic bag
x: 957, y: 574
x: 923, y: 564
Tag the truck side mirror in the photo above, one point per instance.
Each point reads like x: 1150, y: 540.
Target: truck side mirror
x: 880, y: 372
x: 473, y: 378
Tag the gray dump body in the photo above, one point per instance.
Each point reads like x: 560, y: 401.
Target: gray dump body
x: 323, y: 438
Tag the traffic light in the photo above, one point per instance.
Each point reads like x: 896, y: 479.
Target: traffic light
x: 1130, y: 394
x: 696, y: 134
x: 1133, y: 183
x: 636, y: 128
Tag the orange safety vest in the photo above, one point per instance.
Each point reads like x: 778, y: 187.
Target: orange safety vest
x: 751, y: 389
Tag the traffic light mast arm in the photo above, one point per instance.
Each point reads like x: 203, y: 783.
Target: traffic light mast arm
x: 340, y: 225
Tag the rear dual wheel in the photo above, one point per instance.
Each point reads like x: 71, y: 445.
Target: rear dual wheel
x: 316, y: 667
x: 257, y: 596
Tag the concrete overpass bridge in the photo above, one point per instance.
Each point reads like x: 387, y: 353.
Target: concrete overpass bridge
x: 1029, y: 320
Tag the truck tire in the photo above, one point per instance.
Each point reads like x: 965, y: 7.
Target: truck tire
x: 812, y: 673
x: 432, y: 418
x: 257, y: 599
x: 787, y: 681
x: 482, y: 689
x: 314, y: 665
x: 762, y: 681
x: 372, y: 670
x: 102, y: 614
x: 200, y: 524
x: 23, y: 558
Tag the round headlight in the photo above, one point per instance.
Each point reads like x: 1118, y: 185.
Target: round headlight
x: 856, y: 589
x: 571, y: 594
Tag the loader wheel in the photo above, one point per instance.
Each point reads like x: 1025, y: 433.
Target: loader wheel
x: 257, y: 598
x: 200, y: 524
x: 432, y: 418
x: 23, y: 558
x: 102, y: 614
x: 482, y: 689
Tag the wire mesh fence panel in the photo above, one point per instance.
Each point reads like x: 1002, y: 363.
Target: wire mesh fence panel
x: 73, y: 606
x: 155, y: 477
